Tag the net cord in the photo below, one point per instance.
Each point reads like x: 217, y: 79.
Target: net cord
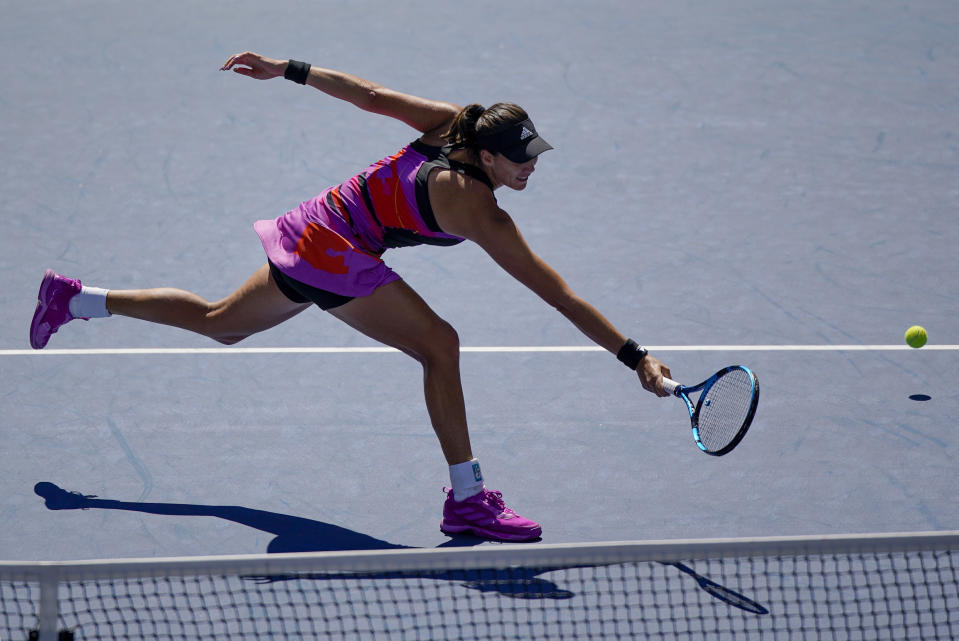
x: 506, y: 555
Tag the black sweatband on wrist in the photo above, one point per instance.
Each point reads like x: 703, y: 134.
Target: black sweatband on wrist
x: 297, y: 71
x: 631, y: 354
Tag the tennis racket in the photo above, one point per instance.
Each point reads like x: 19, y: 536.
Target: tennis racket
x: 724, y: 410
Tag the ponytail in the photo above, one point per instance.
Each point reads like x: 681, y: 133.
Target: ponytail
x: 462, y: 132
x: 474, y: 119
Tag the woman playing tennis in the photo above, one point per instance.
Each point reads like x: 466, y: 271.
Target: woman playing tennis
x: 328, y: 251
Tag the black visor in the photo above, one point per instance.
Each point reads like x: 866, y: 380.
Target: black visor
x: 518, y: 142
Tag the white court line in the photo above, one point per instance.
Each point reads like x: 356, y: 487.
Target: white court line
x: 161, y: 351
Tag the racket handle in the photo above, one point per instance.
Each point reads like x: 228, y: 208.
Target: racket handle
x: 670, y: 386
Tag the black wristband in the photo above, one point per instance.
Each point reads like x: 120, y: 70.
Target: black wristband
x: 631, y: 354
x: 297, y: 71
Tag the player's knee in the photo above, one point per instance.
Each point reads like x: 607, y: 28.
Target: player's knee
x: 442, y: 344
x: 448, y: 339
x: 220, y: 325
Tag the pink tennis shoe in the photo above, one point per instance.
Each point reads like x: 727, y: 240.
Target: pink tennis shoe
x: 486, y: 515
x: 53, y: 307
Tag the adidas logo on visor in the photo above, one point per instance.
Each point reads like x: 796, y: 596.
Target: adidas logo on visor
x: 526, y: 134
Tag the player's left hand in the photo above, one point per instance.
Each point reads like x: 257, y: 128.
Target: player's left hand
x: 254, y: 65
x: 651, y: 373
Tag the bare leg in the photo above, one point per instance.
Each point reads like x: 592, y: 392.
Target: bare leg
x: 396, y: 316
x: 257, y: 305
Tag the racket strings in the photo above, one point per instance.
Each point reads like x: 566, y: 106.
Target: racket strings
x: 724, y: 408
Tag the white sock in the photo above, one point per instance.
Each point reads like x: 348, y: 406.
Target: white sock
x: 90, y: 302
x: 467, y: 479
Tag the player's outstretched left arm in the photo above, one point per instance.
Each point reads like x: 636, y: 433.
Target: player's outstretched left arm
x: 429, y: 117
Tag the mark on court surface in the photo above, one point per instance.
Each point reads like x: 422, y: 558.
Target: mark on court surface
x: 137, y: 464
x: 916, y: 502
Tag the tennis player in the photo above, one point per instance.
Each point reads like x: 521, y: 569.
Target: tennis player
x: 438, y: 190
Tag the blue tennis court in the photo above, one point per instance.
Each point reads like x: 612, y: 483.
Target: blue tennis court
x: 766, y: 184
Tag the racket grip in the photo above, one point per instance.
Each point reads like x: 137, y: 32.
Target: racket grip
x: 670, y: 386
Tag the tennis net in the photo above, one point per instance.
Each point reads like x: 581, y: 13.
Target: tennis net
x: 889, y: 586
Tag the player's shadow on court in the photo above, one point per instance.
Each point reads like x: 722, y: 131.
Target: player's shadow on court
x: 298, y: 534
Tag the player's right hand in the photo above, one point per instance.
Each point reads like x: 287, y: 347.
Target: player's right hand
x: 651, y: 373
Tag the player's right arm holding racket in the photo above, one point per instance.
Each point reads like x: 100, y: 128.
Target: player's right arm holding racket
x: 482, y: 221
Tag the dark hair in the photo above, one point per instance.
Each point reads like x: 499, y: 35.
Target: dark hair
x: 474, y: 119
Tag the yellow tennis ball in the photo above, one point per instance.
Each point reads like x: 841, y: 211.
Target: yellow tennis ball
x: 916, y: 336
